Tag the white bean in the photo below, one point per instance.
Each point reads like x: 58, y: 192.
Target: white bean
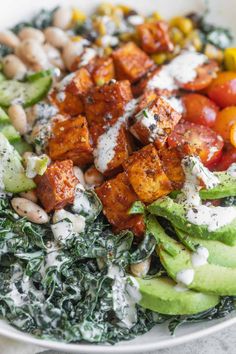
x: 33, y: 52
x: 18, y: 118
x: 93, y: 177
x: 70, y: 52
x: 33, y: 33
x: 30, y: 195
x: 54, y: 56
x: 13, y: 67
x: 56, y: 37
x: 141, y: 269
x: 9, y: 39
x: 30, y: 210
x: 62, y: 17
x: 79, y: 174
x: 26, y: 156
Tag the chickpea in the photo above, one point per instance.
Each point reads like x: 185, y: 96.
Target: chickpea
x: 18, y: 118
x: 56, y: 37
x: 62, y: 18
x: 9, y: 39
x: 13, y: 67
x: 32, y: 33
x: 141, y: 269
x: 93, y: 177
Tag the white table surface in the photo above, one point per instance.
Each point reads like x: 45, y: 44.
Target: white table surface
x: 223, y: 342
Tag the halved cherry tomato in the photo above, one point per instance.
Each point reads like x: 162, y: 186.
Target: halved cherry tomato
x: 224, y: 121
x: 223, y: 89
x: 228, y: 157
x: 194, y: 139
x: 199, y: 109
x: 205, y: 75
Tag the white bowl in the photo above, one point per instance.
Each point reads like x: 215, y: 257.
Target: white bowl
x: 222, y: 13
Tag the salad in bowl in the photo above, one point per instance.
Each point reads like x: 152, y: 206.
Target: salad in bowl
x: 117, y: 173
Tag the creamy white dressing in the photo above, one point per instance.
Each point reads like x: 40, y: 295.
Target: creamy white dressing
x: 105, y: 149
x: 78, y: 221
x: 61, y: 86
x: 185, y: 276
x: 61, y: 96
x: 81, y: 201
x: 36, y: 165
x: 88, y: 54
x: 16, y: 296
x: 212, y: 217
x: 135, y: 20
x: 232, y: 170
x: 149, y: 121
x: 180, y: 70
x: 200, y: 256
x: 175, y: 103
x: 108, y: 40
x: 195, y: 172
x: 62, y: 230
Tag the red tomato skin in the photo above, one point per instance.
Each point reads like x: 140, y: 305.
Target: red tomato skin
x: 195, y: 139
x: 224, y: 121
x: 223, y: 89
x: 227, y: 158
x: 199, y: 109
x: 205, y: 74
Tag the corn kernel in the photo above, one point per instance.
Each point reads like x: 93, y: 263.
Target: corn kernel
x: 78, y: 16
x: 126, y: 37
x: 155, y: 16
x: 108, y: 51
x: 159, y: 58
x: 100, y: 82
x: 176, y: 35
x: 213, y: 52
x: 105, y: 9
x: 193, y: 39
x: 76, y: 38
x: 125, y: 9
x: 184, y: 24
x: 230, y: 59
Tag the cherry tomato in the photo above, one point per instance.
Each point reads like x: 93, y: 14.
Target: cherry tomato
x: 194, y: 139
x: 205, y: 75
x: 228, y: 157
x: 223, y: 89
x: 224, y: 121
x: 199, y: 109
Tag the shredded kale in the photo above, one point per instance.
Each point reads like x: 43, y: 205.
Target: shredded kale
x: 5, y: 50
x: 228, y: 201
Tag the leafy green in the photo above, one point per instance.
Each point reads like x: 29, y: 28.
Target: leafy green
x: 5, y: 50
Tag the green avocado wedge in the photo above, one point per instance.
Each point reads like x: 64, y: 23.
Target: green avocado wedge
x: 160, y: 295
x: 11, y: 169
x: 25, y: 93
x: 208, y: 278
x: 175, y: 213
x: 219, y: 253
x: 226, y: 187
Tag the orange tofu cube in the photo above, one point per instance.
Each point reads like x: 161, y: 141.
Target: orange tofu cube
x: 112, y: 149
x: 56, y: 188
x: 131, y: 63
x: 171, y: 163
x: 70, y: 140
x: 102, y: 70
x: 117, y: 196
x: 155, y: 122
x: 146, y: 175
x: 105, y: 104
x: 154, y: 37
x: 69, y: 97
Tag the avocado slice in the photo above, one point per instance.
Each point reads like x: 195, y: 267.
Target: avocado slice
x: 21, y: 146
x: 208, y: 278
x: 160, y: 295
x: 25, y: 93
x: 175, y: 213
x: 219, y: 253
x: 11, y: 170
x: 226, y: 187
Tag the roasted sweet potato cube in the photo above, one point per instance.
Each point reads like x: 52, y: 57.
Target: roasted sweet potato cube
x: 146, y: 175
x: 117, y: 196
x: 67, y: 103
x: 102, y: 70
x: 70, y: 140
x: 105, y: 104
x: 154, y: 123
x: 68, y: 96
x: 112, y: 149
x: 171, y: 163
x: 131, y: 63
x: 56, y: 188
x: 81, y: 82
x: 154, y: 37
